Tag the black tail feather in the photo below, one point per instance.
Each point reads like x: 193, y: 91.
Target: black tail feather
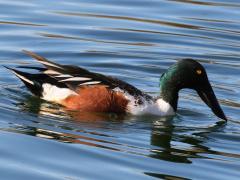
x: 34, y: 68
x: 45, y: 62
x: 29, y: 80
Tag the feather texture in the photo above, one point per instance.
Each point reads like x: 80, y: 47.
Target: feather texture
x: 76, y: 77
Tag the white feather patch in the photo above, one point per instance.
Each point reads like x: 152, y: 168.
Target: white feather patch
x: 161, y: 108
x: 64, y: 76
x: 54, y: 93
x: 76, y: 79
x: 50, y: 64
x: 23, y: 78
x: 51, y: 72
x: 90, y: 83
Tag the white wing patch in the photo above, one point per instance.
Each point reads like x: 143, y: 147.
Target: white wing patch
x: 51, y: 72
x: 64, y: 76
x: 90, y: 83
x: 70, y: 78
x: 55, y: 94
x: 76, y: 79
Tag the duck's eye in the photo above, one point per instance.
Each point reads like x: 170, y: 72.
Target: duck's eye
x: 199, y: 72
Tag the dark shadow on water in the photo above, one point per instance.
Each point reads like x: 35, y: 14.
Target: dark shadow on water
x: 170, y: 143
x: 162, y: 137
x: 164, y: 176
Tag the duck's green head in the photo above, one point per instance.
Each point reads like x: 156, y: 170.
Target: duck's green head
x: 188, y: 73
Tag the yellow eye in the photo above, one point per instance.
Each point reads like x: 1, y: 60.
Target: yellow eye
x: 198, y: 71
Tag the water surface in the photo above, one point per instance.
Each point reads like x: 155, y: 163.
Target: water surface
x: 135, y: 41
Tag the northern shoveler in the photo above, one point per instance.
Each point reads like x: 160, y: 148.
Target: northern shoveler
x: 79, y: 89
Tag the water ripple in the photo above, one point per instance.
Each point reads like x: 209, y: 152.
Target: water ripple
x: 135, y: 41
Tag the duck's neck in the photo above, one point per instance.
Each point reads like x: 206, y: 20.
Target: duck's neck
x: 169, y: 93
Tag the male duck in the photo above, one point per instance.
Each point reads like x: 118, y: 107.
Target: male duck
x: 79, y: 89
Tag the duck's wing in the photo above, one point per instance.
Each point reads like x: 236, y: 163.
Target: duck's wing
x: 76, y: 77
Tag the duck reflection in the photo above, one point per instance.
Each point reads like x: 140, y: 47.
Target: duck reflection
x: 168, y: 142
x: 37, y: 106
x: 178, y: 144
x: 46, y: 110
x: 163, y: 138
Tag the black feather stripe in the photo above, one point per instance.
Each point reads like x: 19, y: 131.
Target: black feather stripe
x: 31, y: 67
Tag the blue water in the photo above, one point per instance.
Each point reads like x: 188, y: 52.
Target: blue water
x: 135, y: 41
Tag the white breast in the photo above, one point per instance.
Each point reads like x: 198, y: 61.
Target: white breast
x: 158, y: 107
